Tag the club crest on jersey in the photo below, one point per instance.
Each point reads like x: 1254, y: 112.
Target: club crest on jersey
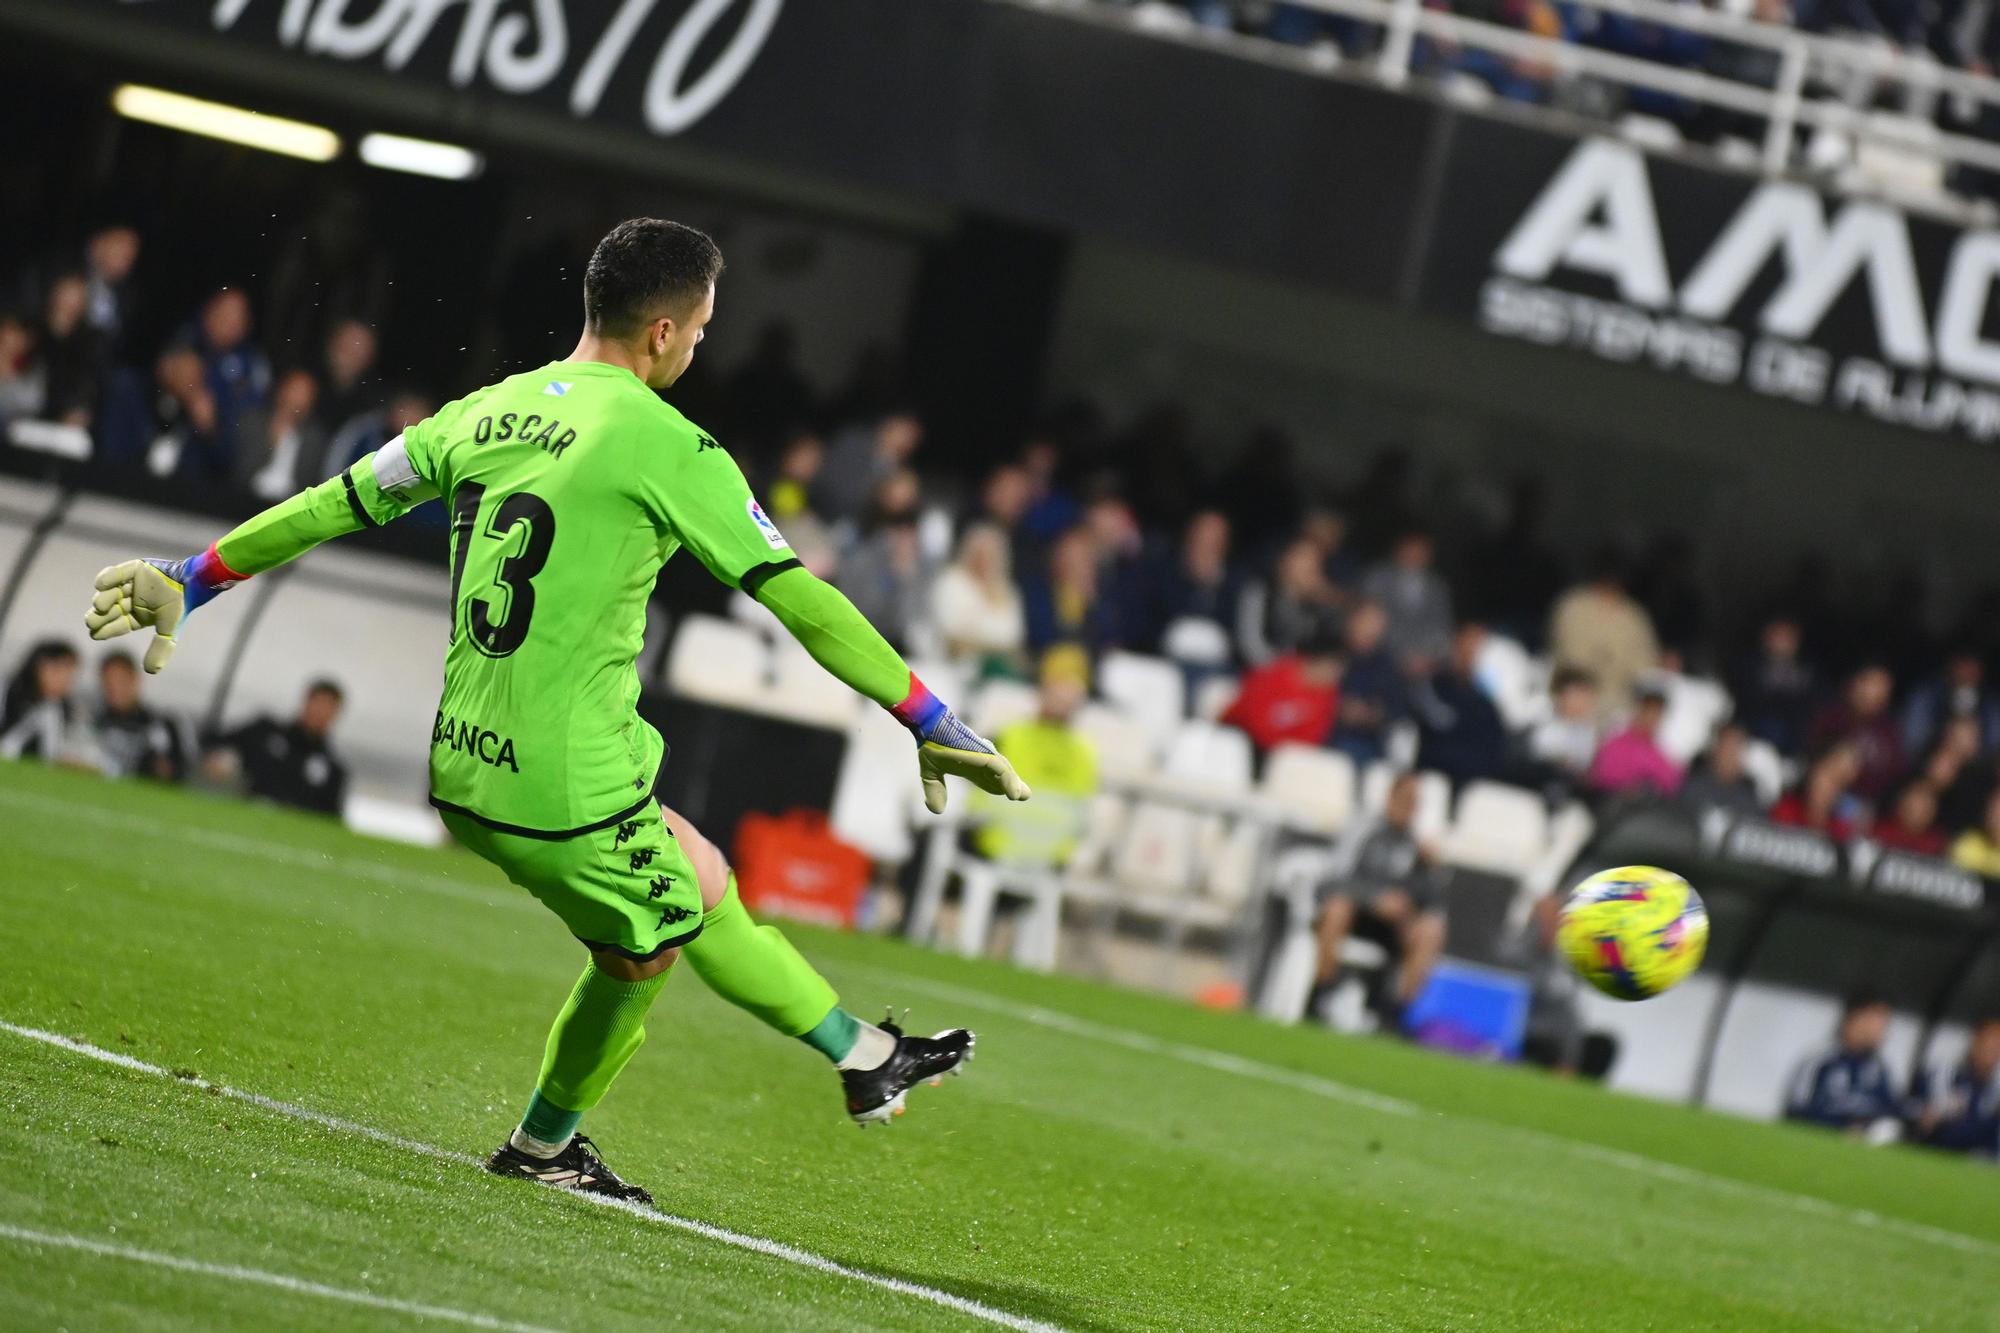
x: 557, y: 388
x: 772, y: 537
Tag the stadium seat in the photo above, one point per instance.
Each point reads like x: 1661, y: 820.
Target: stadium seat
x: 1766, y: 768
x: 804, y: 691
x: 1126, y: 751
x: 1695, y: 708
x: 999, y: 704
x: 1313, y: 786
x: 1513, y: 679
x: 874, y: 789
x: 1150, y: 688
x: 1211, y: 755
x: 1498, y: 829
x: 720, y: 662
x: 1196, y: 641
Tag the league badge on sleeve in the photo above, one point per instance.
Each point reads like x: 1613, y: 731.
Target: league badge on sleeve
x: 772, y: 537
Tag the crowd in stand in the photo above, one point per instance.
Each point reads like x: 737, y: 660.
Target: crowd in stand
x: 1954, y: 33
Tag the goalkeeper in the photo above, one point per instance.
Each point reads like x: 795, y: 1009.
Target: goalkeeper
x: 568, y: 487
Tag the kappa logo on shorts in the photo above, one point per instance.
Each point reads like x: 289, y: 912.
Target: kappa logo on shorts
x: 660, y: 886
x: 625, y: 834
x: 642, y: 858
x: 671, y: 914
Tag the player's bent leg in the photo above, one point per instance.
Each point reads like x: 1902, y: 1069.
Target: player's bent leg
x: 756, y: 969
x: 1423, y: 944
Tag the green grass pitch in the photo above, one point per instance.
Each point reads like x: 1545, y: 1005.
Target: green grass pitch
x: 1112, y: 1161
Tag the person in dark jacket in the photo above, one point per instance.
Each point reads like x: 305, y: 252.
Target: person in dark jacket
x: 1848, y: 1086
x: 1958, y: 1108
x: 1462, y: 734
x: 290, y: 763
x: 132, y: 739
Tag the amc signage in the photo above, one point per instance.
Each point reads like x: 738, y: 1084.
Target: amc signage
x: 1848, y: 304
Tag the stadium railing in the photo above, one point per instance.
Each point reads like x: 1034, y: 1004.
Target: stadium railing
x: 1823, y: 84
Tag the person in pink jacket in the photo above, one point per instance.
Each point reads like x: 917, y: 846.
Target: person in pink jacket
x: 1632, y: 761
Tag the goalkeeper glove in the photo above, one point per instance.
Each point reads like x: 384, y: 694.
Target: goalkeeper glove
x: 946, y: 746
x: 158, y: 595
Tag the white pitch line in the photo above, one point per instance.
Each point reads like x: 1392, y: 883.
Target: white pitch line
x: 56, y: 1240
x: 1058, y: 1021
x: 709, y: 1231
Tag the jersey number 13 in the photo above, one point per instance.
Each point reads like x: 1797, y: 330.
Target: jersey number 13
x: 498, y: 617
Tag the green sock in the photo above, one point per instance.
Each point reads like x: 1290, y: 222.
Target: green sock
x: 548, y: 1123
x: 594, y: 1037
x: 835, y: 1036
x: 756, y: 968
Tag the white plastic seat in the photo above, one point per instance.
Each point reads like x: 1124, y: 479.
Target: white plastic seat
x: 1209, y: 754
x: 876, y: 787
x: 804, y: 691
x: 1150, y: 688
x: 1125, y: 749
x: 1766, y: 769
x: 999, y: 704
x: 719, y: 661
x: 1498, y: 829
x: 1695, y: 707
x: 1196, y: 641
x: 1314, y: 786
x: 1513, y: 680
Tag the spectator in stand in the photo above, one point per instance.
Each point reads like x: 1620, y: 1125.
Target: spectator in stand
x: 1598, y: 628
x: 1291, y: 698
x: 1824, y: 800
x: 1957, y: 691
x: 362, y: 435
x: 1199, y: 596
x: 1298, y: 602
x: 1958, y: 773
x: 1862, y: 717
x: 271, y: 442
x: 1123, y: 573
x: 1373, y: 694
x: 1462, y: 735
x: 215, y: 375
x: 1064, y: 763
x: 132, y: 739
x: 1562, y: 746
x: 1416, y: 599
x: 1052, y: 510
x: 109, y: 257
x: 1978, y: 849
x: 1774, y: 688
x: 1718, y: 779
x: 789, y: 497
x: 291, y: 763
x: 1386, y: 885
x: 1631, y: 762
x: 1848, y: 1086
x: 38, y: 717
x: 1911, y: 824
x: 75, y: 356
x: 884, y: 573
x: 1326, y: 529
x: 859, y: 458
x: 976, y: 607
x: 1004, y: 498
x: 1958, y: 1108
x: 23, y: 385
x: 1062, y: 602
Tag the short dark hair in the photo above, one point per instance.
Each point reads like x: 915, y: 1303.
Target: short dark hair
x: 117, y: 657
x: 645, y: 265
x: 325, y: 686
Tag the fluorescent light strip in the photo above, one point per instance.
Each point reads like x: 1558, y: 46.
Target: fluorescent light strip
x: 422, y: 157
x: 253, y: 129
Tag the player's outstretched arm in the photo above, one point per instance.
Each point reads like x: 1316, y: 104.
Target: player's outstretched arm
x: 160, y: 594
x: 840, y: 639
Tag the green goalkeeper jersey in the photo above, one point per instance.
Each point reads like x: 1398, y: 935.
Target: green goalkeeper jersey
x: 568, y: 487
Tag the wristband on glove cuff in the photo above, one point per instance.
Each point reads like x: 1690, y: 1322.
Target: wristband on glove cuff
x: 202, y: 576
x: 920, y: 711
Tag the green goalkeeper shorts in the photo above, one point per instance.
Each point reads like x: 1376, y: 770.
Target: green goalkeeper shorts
x: 628, y: 889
